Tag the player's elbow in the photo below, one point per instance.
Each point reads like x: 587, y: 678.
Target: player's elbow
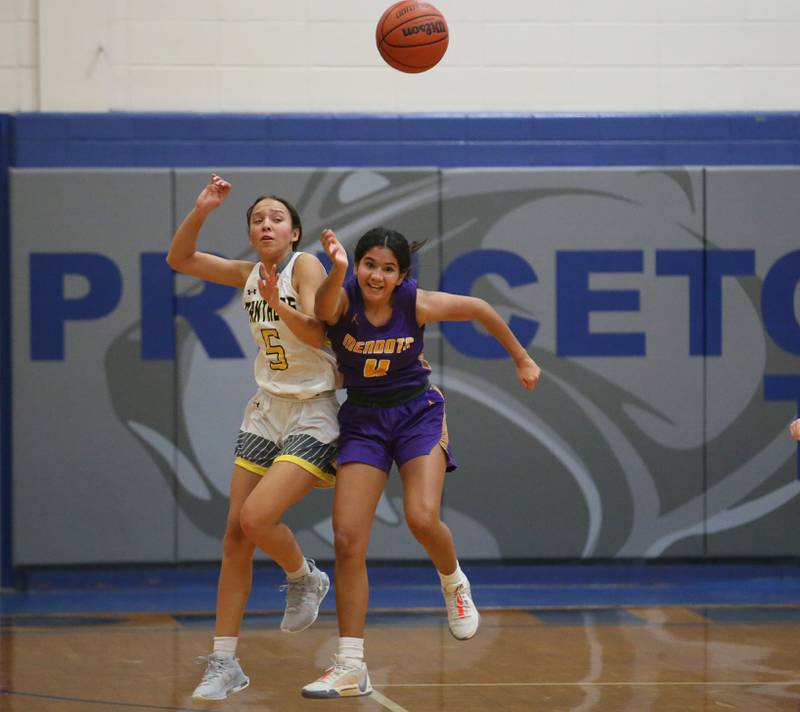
x: 176, y: 262
x: 173, y: 262
x: 312, y: 333
x: 480, y: 309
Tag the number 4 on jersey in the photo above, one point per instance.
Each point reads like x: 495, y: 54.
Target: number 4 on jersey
x: 374, y: 368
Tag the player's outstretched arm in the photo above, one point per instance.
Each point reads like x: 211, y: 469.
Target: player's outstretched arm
x: 331, y: 299
x: 441, y: 306
x: 183, y: 254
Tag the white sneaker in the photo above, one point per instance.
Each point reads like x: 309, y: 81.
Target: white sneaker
x: 223, y: 676
x: 462, y: 616
x: 342, y: 679
x: 303, y: 598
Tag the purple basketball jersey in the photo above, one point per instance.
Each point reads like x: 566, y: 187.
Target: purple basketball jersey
x: 379, y: 359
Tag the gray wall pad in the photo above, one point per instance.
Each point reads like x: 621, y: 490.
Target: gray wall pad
x: 631, y: 446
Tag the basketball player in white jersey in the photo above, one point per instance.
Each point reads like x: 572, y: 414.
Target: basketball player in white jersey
x: 287, y: 439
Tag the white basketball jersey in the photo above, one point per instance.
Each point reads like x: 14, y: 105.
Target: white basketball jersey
x: 285, y: 365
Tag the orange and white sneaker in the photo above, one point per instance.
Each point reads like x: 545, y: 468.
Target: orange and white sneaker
x: 342, y: 679
x: 462, y: 616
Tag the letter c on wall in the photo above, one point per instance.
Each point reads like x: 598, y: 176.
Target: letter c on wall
x: 459, y: 277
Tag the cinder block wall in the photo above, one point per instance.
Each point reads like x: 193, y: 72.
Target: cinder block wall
x: 319, y: 56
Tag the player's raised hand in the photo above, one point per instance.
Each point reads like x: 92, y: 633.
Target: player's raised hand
x: 268, y: 285
x: 333, y: 248
x: 794, y: 429
x: 213, y: 195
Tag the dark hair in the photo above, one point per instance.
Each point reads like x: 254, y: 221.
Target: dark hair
x: 395, y: 241
x: 295, y: 216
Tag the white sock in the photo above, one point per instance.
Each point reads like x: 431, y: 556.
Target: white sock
x: 352, y: 649
x: 304, y: 570
x: 455, y: 578
x: 225, y: 646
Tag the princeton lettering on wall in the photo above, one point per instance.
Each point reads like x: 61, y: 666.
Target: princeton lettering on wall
x: 702, y: 273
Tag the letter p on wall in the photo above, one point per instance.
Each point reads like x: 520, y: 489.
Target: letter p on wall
x: 51, y: 308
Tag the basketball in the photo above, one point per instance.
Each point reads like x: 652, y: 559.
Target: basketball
x: 412, y: 36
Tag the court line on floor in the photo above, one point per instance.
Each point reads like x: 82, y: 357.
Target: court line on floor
x: 386, y: 702
x: 674, y: 683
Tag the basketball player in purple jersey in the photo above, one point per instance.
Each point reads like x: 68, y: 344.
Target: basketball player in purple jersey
x: 376, y: 320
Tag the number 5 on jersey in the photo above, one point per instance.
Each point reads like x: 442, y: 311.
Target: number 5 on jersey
x: 274, y: 349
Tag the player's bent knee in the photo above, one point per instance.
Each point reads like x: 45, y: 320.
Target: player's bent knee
x: 235, y: 543
x: 423, y: 522
x: 253, y: 523
x: 349, y: 545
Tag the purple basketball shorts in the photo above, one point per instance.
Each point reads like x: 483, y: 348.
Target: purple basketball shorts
x: 377, y: 436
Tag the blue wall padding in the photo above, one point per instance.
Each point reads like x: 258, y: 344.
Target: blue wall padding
x: 445, y: 140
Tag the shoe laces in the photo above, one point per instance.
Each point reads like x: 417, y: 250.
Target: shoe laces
x: 215, y: 666
x: 297, y: 590
x: 336, y: 671
x: 459, y: 593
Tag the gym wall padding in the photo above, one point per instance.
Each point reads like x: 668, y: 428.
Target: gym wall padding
x: 659, y: 300
x: 649, y: 436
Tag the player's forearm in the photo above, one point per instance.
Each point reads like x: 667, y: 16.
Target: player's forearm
x: 328, y: 294
x: 498, y: 328
x: 306, y: 328
x: 184, y: 242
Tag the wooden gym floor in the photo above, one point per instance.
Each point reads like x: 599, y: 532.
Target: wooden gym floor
x: 629, y: 657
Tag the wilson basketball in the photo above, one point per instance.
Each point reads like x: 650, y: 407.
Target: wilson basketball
x: 412, y: 36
